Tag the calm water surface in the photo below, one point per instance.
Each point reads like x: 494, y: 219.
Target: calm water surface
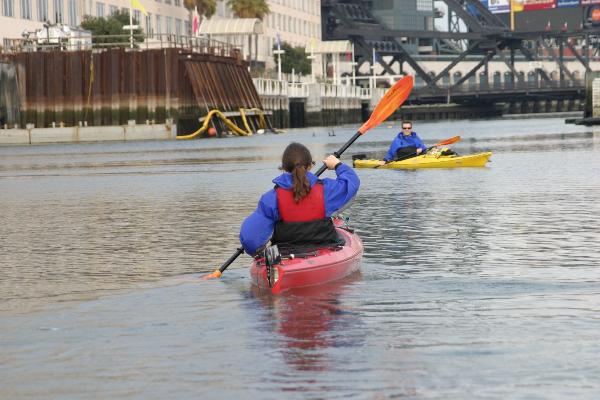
x: 476, y: 283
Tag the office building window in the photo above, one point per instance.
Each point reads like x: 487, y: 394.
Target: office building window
x: 112, y: 10
x: 167, y: 1
x: 99, y: 10
x: 8, y: 8
x: 137, y: 17
x: 42, y: 10
x: 178, y: 3
x: 73, y: 13
x: 26, y: 9
x: 149, y: 29
x: 424, y: 5
x: 58, y: 11
x: 169, y: 25
x: 177, y: 27
x: 158, y: 30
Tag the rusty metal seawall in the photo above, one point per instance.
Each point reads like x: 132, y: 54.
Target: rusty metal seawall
x: 113, y: 86
x: 9, y: 94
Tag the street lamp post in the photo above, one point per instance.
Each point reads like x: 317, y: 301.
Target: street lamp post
x: 131, y: 26
x: 312, y: 61
x: 312, y: 68
x: 353, y: 64
x: 373, y: 79
x: 279, y: 52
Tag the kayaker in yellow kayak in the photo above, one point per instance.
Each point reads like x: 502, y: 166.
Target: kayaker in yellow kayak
x: 298, y: 210
x: 407, y: 143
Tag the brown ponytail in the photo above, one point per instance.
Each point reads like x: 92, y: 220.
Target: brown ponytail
x: 297, y: 160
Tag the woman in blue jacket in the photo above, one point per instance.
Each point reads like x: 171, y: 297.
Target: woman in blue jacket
x: 297, y: 210
x: 407, y: 143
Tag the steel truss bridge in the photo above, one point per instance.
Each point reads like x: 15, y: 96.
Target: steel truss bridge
x: 487, y: 39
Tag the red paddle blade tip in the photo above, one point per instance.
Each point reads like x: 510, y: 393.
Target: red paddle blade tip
x: 213, y: 275
x: 448, y: 141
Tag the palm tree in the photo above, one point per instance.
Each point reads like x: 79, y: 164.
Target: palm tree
x: 250, y: 9
x: 205, y: 8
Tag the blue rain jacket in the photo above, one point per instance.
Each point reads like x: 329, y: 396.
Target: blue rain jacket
x: 257, y: 229
x: 401, y: 141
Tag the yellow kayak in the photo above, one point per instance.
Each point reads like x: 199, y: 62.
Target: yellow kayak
x: 428, y: 161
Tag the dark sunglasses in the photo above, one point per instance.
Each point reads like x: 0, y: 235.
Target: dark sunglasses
x: 407, y: 127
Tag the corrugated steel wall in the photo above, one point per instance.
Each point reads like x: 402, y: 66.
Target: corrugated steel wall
x: 9, y: 94
x: 112, y: 86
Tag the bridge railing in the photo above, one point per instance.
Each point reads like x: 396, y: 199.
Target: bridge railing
x: 492, y: 87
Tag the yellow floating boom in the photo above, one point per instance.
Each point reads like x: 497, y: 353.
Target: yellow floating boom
x: 262, y: 122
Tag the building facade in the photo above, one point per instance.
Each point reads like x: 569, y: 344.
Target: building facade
x: 415, y: 15
x: 297, y: 22
x: 16, y: 16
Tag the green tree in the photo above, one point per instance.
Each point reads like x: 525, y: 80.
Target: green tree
x: 294, y: 57
x: 205, y: 8
x: 249, y: 8
x: 113, y: 25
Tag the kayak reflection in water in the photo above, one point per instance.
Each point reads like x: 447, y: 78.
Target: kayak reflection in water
x: 407, y: 143
x: 297, y: 210
x: 312, y: 320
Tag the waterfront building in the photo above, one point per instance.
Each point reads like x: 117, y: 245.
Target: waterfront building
x: 17, y: 16
x: 407, y: 15
x: 296, y: 22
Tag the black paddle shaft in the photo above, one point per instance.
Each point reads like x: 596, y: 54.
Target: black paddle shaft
x: 338, y: 153
x: 235, y: 255
x: 341, y: 151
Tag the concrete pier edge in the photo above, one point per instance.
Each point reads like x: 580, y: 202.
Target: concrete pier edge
x: 80, y: 134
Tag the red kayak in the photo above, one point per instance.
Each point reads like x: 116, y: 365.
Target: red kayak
x: 310, y: 268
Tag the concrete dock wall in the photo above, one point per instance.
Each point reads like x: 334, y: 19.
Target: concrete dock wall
x: 80, y: 134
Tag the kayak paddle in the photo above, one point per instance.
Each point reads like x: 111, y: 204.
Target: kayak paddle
x: 451, y: 140
x: 389, y: 103
x: 444, y: 142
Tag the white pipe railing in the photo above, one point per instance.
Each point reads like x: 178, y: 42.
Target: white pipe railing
x: 273, y: 87
x: 298, y: 90
x: 270, y: 87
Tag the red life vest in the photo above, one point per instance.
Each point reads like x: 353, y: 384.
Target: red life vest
x: 303, y: 223
x: 309, y: 208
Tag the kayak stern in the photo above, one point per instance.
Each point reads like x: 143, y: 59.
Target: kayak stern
x: 322, y: 266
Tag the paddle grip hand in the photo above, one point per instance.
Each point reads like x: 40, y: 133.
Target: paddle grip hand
x: 331, y: 161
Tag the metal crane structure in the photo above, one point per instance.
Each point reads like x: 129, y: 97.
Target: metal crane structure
x: 487, y: 38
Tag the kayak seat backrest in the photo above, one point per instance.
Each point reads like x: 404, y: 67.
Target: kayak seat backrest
x: 285, y: 249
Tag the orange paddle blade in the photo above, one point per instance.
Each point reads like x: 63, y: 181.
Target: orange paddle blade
x: 216, y: 274
x: 389, y: 103
x: 453, y: 139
